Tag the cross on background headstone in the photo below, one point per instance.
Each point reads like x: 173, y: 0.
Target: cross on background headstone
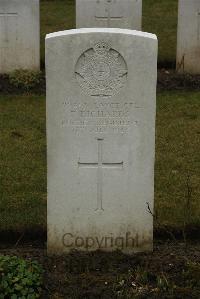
x: 8, y: 14
x: 125, y: 14
x: 106, y: 14
x: 19, y: 35
x: 198, y: 30
x: 6, y: 26
x: 100, y: 165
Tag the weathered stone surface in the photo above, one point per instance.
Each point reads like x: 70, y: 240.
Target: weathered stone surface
x: 188, y: 40
x: 101, y: 102
x: 19, y: 35
x: 125, y: 14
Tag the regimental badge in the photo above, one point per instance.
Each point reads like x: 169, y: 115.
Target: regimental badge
x: 101, y: 71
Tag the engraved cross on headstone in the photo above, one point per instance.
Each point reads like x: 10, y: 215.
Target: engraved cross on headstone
x: 8, y: 14
x: 100, y: 165
x: 6, y: 26
x: 106, y: 14
x: 198, y: 29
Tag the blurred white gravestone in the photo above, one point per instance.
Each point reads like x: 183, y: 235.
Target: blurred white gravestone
x: 188, y: 40
x: 19, y: 35
x: 100, y: 139
x: 125, y: 14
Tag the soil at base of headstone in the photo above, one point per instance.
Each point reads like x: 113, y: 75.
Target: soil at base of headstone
x: 168, y: 79
x: 171, y: 80
x: 171, y: 271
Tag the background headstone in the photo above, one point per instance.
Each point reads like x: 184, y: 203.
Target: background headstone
x: 109, y: 13
x: 188, y: 41
x: 19, y: 35
x: 101, y: 103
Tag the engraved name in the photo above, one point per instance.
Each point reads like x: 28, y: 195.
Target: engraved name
x: 98, y: 116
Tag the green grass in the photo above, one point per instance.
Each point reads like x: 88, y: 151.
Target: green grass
x: 56, y: 15
x: 23, y: 160
x: 177, y: 158
x: 159, y: 17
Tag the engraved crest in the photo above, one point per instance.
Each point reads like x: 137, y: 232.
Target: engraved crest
x: 101, y: 71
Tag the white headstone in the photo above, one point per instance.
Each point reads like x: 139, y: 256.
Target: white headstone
x: 125, y: 14
x: 19, y: 35
x: 101, y: 102
x: 188, y: 41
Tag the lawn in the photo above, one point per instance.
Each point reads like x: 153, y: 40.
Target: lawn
x: 159, y: 17
x: 23, y: 161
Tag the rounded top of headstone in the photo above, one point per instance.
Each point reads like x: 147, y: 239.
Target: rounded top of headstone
x: 102, y: 30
